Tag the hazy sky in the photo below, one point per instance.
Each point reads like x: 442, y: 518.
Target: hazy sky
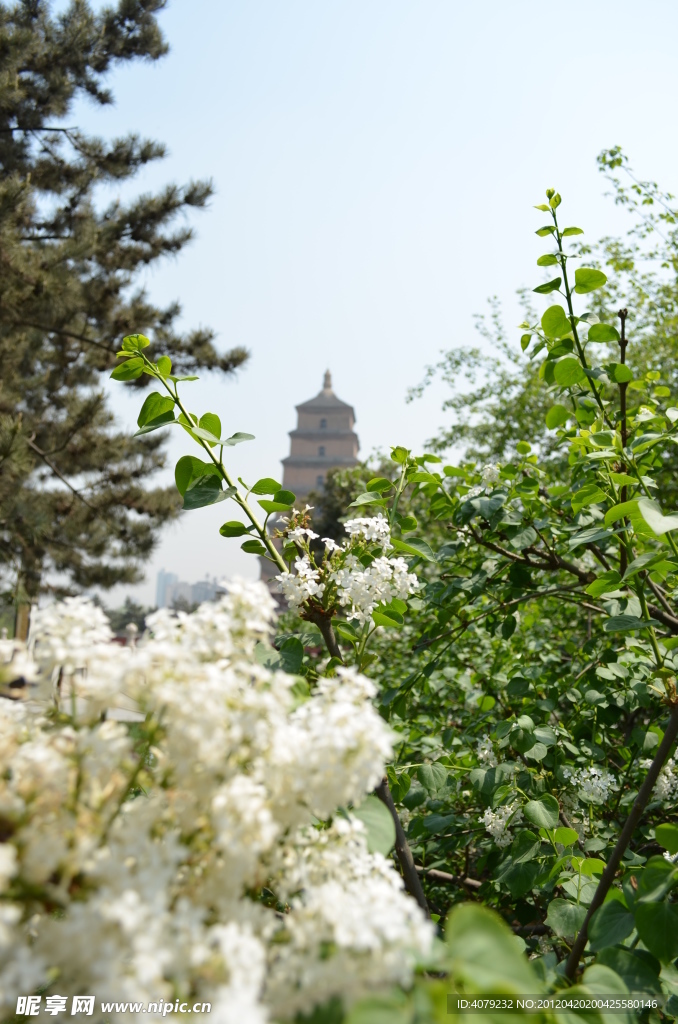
x: 375, y: 166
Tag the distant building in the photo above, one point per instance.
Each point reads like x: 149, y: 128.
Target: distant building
x: 171, y: 589
x: 205, y: 590
x: 164, y: 580
x: 323, y: 439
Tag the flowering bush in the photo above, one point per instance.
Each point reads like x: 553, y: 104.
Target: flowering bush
x: 522, y: 624
x: 199, y: 852
x: 357, y: 576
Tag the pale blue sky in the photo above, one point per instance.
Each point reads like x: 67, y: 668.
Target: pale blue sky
x: 376, y: 164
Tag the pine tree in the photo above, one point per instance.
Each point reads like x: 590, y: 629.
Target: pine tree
x: 75, y: 508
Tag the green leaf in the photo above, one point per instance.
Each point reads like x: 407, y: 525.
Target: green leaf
x: 129, y: 370
x: 484, y: 955
x: 572, y: 231
x: 633, y: 968
x: 555, y: 323
x: 285, y: 497
x: 565, y: 836
x: 592, y: 866
x: 547, y: 261
x: 588, y: 280
x: 347, y: 630
x: 237, y: 438
x: 379, y: 484
x: 550, y: 286
x: 270, y: 507
x: 407, y: 524
x: 282, y: 501
x: 508, y: 627
x: 543, y: 812
x: 387, y: 617
x: 291, y: 655
x: 164, y: 365
x: 212, y: 424
x: 590, y: 535
x: 154, y: 425
x: 657, y: 925
x: 604, y: 584
x: 619, y: 373
x: 399, y: 784
x: 627, y: 508
x: 135, y: 342
x: 557, y: 416
x: 190, y: 468
x: 652, y: 514
x: 399, y: 455
x: 568, y: 371
x: 432, y: 776
x: 603, y: 332
x: 253, y: 547
x: 610, y: 925
x: 233, y: 529
x: 200, y: 432
x: 547, y: 230
x: 521, y: 878
x: 625, y: 624
x: 413, y: 546
x: 205, y: 491
x: 565, y: 918
x: 657, y: 879
x: 266, y: 486
x: 379, y: 824
x: 156, y: 409
x: 525, y: 847
x: 591, y: 494
x: 375, y: 1009
x: 267, y: 656
x: 367, y: 498
x: 667, y: 837
x: 645, y: 561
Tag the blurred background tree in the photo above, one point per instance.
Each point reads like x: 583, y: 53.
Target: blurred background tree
x: 76, y: 510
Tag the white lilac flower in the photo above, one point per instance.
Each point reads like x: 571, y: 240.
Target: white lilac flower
x: 594, y: 785
x: 376, y: 529
x: 158, y: 895
x: 300, y: 587
x: 331, y: 545
x: 485, y: 752
x: 666, y: 786
x: 497, y: 822
x: 361, y: 588
x: 490, y: 474
x: 298, y: 533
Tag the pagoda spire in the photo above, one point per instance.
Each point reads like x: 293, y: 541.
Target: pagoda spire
x: 327, y: 381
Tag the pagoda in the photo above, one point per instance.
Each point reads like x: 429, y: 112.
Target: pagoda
x: 323, y: 439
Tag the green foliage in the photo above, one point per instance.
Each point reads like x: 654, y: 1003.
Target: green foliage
x: 379, y: 824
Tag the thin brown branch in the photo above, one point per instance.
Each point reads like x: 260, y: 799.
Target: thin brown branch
x: 639, y: 804
x: 444, y: 876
